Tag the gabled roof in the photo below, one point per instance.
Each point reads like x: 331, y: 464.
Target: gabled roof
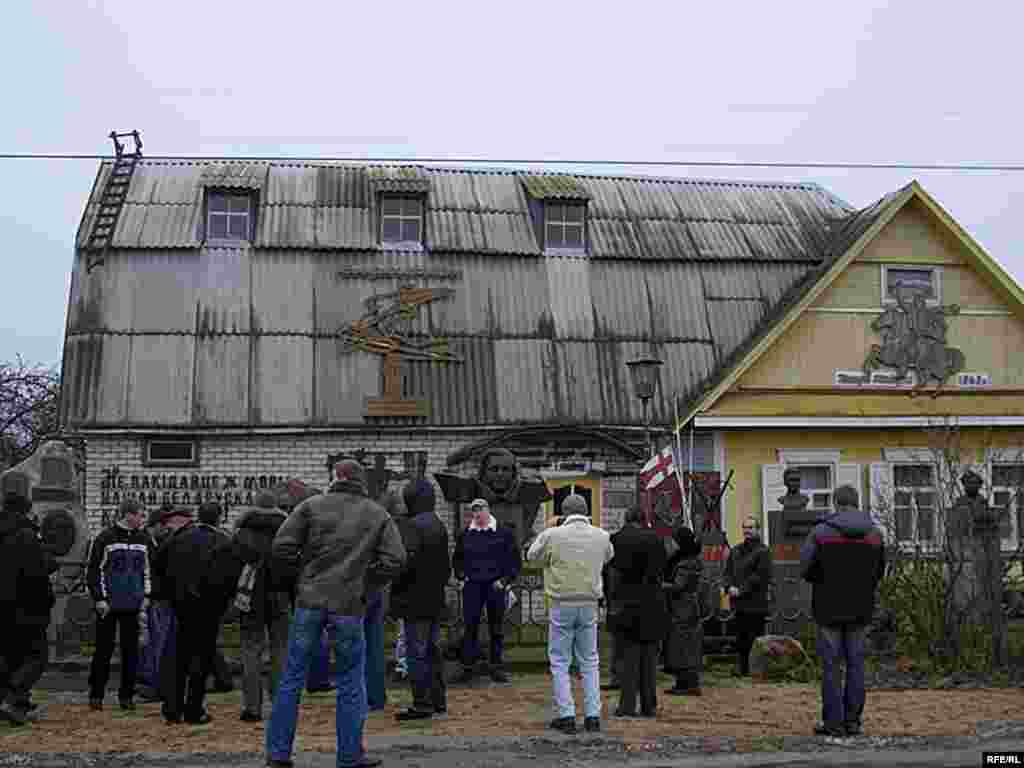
x: 855, y: 234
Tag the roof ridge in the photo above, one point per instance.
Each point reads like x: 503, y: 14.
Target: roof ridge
x: 516, y: 172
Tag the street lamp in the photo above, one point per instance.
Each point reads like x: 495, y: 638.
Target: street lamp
x: 643, y: 372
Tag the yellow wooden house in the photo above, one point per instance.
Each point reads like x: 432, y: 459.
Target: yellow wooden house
x: 818, y: 389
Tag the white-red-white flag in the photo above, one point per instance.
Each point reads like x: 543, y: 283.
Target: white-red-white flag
x: 658, y: 469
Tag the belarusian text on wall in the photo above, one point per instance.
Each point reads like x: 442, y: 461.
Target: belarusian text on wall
x: 181, y: 488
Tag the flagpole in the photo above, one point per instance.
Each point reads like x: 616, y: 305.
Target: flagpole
x: 687, y: 511
x: 691, y: 465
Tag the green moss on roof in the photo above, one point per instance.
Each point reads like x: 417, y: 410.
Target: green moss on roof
x: 554, y: 186
x: 396, y: 172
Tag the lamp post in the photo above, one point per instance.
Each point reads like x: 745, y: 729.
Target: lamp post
x: 643, y: 372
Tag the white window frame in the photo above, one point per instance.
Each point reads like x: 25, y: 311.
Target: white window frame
x: 401, y: 217
x: 936, y: 489
x: 936, y: 271
x: 229, y: 215
x: 830, y: 459
x: 1006, y: 457
x: 563, y: 222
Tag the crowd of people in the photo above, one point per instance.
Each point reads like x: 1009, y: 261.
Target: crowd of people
x: 322, y: 577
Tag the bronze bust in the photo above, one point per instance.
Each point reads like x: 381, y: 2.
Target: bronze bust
x: 796, y: 519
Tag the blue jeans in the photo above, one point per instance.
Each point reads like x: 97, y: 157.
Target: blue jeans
x: 373, y: 628
x: 320, y: 671
x: 838, y: 706
x: 572, y: 630
x: 350, y: 659
x: 161, y: 632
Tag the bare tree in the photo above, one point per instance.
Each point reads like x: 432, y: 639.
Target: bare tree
x: 929, y: 538
x: 29, y: 397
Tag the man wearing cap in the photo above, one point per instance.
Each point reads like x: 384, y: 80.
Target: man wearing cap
x: 487, y: 558
x: 119, y: 581
x: 343, y: 543
x: 573, y: 555
x: 181, y: 567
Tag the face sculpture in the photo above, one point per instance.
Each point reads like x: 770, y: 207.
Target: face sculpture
x: 499, y: 472
x: 972, y: 485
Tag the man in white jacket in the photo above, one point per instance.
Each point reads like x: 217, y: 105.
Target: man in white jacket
x: 573, y: 555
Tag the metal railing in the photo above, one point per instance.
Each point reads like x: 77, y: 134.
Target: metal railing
x: 525, y: 620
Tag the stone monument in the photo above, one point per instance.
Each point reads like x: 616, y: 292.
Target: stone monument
x: 49, y: 478
x: 515, y: 496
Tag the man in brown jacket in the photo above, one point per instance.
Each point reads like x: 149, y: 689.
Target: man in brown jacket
x: 342, y: 543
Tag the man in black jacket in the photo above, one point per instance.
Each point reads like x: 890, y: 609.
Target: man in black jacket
x: 182, y: 566
x: 417, y: 597
x: 748, y: 578
x: 844, y: 558
x: 640, y: 616
x: 25, y: 601
x: 119, y: 580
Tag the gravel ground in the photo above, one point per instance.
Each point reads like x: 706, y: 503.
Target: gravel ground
x: 554, y: 750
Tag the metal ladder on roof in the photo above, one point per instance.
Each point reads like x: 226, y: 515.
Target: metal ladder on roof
x: 112, y: 200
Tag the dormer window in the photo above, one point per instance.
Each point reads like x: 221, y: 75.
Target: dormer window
x: 401, y: 220
x: 564, y: 226
x: 229, y: 215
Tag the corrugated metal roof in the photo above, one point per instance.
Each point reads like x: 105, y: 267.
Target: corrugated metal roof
x: 234, y: 175
x: 652, y: 218
x: 683, y: 269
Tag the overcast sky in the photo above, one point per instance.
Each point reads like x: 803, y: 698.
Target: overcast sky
x: 852, y: 81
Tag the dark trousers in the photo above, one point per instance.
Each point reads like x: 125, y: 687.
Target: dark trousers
x: 194, y: 659
x: 24, y: 653
x: 126, y: 625
x: 638, y: 676
x: 426, y: 665
x: 749, y: 627
x: 617, y: 657
x: 373, y: 631
x: 477, y: 596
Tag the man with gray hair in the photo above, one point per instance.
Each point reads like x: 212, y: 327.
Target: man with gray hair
x: 573, y: 554
x: 844, y: 558
x: 342, y: 543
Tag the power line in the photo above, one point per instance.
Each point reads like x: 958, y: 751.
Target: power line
x: 874, y: 166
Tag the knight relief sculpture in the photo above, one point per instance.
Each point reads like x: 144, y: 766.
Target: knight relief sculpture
x: 914, y: 339
x: 515, y: 496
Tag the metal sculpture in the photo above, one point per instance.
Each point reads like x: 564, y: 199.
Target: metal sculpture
x: 914, y: 338
x: 386, y: 329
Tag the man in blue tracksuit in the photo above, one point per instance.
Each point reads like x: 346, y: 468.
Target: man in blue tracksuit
x: 488, y: 558
x: 119, y: 580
